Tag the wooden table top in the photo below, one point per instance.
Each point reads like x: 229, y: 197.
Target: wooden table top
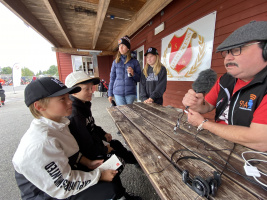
x: 148, y: 129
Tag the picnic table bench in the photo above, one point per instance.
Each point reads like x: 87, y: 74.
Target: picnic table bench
x: 164, y: 154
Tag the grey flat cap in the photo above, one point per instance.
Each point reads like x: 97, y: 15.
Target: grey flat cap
x: 253, y: 31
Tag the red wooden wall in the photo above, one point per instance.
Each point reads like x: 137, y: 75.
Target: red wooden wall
x: 230, y: 15
x: 64, y: 64
x: 104, y: 67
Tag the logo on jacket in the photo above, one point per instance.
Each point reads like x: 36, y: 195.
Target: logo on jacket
x: 152, y: 77
x: 247, y: 105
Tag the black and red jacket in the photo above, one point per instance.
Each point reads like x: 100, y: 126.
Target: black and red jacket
x: 243, y: 102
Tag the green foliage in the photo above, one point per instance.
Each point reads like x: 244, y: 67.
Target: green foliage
x: 6, y: 70
x: 53, y: 71
x: 26, y: 72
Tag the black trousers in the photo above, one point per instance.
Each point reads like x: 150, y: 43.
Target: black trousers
x: 102, y: 191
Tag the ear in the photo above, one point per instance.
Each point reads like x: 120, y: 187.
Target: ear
x: 38, y: 106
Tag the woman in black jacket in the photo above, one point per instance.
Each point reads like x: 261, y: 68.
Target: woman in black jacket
x: 153, y: 78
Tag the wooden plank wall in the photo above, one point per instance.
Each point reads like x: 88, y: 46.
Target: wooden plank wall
x: 230, y: 15
x: 104, y: 66
x: 64, y: 65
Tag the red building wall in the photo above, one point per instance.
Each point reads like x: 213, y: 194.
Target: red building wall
x: 104, y: 66
x: 230, y: 15
x: 64, y: 64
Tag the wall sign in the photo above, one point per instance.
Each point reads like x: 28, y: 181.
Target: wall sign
x: 188, y: 51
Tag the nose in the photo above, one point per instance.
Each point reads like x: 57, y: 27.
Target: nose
x: 68, y: 100
x: 229, y: 56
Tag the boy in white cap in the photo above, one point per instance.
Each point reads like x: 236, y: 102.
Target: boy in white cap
x: 47, y: 155
x: 82, y: 126
x: 239, y: 96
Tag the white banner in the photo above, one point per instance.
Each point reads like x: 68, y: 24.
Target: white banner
x: 16, y: 73
x: 188, y: 51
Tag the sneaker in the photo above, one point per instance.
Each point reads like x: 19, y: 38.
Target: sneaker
x: 119, y: 133
x: 129, y: 196
x: 137, y: 166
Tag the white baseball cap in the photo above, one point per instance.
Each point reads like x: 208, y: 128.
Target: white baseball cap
x: 79, y: 77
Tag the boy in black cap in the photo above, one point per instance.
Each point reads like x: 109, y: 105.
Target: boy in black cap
x: 48, y: 154
x: 153, y: 78
x: 239, y: 96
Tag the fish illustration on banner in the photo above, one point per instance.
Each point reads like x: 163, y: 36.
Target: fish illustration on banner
x: 188, y: 51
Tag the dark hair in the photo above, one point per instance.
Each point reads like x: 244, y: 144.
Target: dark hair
x: 263, y: 44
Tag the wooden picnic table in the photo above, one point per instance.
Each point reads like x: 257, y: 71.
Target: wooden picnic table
x: 148, y: 129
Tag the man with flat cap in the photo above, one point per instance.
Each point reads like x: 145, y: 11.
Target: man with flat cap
x: 239, y: 96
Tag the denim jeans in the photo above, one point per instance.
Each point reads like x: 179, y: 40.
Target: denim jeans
x: 123, y: 100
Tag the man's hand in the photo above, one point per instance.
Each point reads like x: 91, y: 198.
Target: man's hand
x: 193, y: 99
x: 194, y: 118
x: 108, y: 175
x: 108, y: 137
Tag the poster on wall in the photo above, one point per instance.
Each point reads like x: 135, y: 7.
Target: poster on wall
x: 188, y: 51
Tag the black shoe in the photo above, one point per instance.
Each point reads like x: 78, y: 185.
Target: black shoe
x: 119, y: 133
x: 129, y: 196
x: 137, y: 166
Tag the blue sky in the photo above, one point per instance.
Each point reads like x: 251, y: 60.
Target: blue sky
x: 21, y: 44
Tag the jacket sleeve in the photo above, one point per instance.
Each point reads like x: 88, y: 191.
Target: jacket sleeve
x: 84, y: 138
x: 100, y: 132
x: 143, y: 94
x: 46, y: 166
x: 112, y: 79
x: 137, y: 71
x: 161, y: 85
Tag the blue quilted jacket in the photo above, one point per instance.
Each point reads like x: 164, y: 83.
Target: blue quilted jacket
x: 120, y: 84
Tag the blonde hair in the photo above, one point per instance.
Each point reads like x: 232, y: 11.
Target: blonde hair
x: 156, y: 68
x: 44, y: 102
x: 118, y: 57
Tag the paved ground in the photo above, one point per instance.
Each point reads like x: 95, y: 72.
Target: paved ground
x: 15, y: 119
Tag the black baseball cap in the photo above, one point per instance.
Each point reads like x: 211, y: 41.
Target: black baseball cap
x: 46, y: 87
x: 152, y: 50
x: 253, y: 31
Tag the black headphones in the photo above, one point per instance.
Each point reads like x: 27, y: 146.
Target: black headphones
x: 201, y: 186
x: 264, y: 52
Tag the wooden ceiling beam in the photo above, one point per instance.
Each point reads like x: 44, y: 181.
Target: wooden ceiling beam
x: 101, y: 13
x: 148, y: 11
x: 81, y: 53
x: 53, y: 9
x: 18, y: 8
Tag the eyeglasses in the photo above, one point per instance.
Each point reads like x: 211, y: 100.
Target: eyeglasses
x: 236, y: 51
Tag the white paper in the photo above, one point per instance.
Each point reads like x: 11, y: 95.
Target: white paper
x: 112, y: 163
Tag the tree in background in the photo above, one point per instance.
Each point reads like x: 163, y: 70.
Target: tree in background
x: 6, y: 70
x: 53, y: 71
x: 26, y: 72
